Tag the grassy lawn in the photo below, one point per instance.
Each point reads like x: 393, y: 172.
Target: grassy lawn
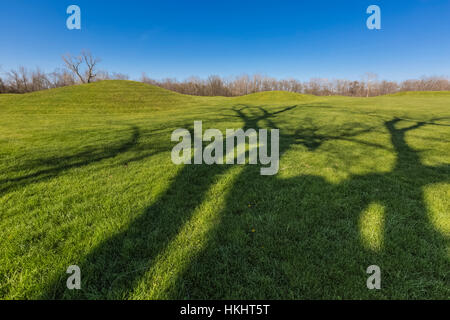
x: 86, y: 179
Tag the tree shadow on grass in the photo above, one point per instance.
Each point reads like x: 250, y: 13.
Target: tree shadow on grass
x: 46, y: 168
x: 283, y: 238
x: 52, y: 167
x: 116, y: 265
x: 305, y: 238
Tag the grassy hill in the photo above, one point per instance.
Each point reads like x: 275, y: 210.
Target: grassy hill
x: 86, y: 179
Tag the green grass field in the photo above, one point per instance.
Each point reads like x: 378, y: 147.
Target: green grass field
x: 86, y: 179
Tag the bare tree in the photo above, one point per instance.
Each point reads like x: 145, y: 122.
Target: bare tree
x: 82, y: 66
x: 73, y: 64
x: 3, y: 87
x: 83, y: 69
x: 61, y: 78
x: 370, y: 77
x: 19, y: 80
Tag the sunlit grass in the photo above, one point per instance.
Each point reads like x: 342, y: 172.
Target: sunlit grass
x: 86, y: 178
x: 372, y: 226
x: 437, y: 198
x: 190, y: 241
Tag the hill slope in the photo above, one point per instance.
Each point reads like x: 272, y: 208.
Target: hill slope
x: 121, y: 95
x: 86, y: 179
x: 105, y: 95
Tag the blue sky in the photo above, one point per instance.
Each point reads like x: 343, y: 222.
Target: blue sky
x: 299, y: 39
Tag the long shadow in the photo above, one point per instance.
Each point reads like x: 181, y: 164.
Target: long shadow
x: 117, y: 264
x: 313, y: 248
x: 56, y: 165
x: 305, y: 250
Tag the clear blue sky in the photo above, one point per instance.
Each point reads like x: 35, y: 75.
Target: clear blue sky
x: 299, y: 39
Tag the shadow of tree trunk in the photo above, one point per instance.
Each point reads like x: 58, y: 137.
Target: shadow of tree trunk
x: 316, y: 236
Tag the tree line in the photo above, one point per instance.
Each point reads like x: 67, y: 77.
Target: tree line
x: 245, y: 84
x: 84, y: 69
x: 77, y: 69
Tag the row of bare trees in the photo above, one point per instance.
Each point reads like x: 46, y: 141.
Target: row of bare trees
x: 77, y: 69
x: 242, y: 85
x: 83, y: 69
x: 24, y: 80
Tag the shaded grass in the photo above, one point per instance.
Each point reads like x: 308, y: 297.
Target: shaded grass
x: 86, y: 178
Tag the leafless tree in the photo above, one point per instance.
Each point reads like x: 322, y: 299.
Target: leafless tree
x: 369, y: 77
x: 61, y: 78
x: 83, y: 69
x: 3, y: 87
x: 82, y: 66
